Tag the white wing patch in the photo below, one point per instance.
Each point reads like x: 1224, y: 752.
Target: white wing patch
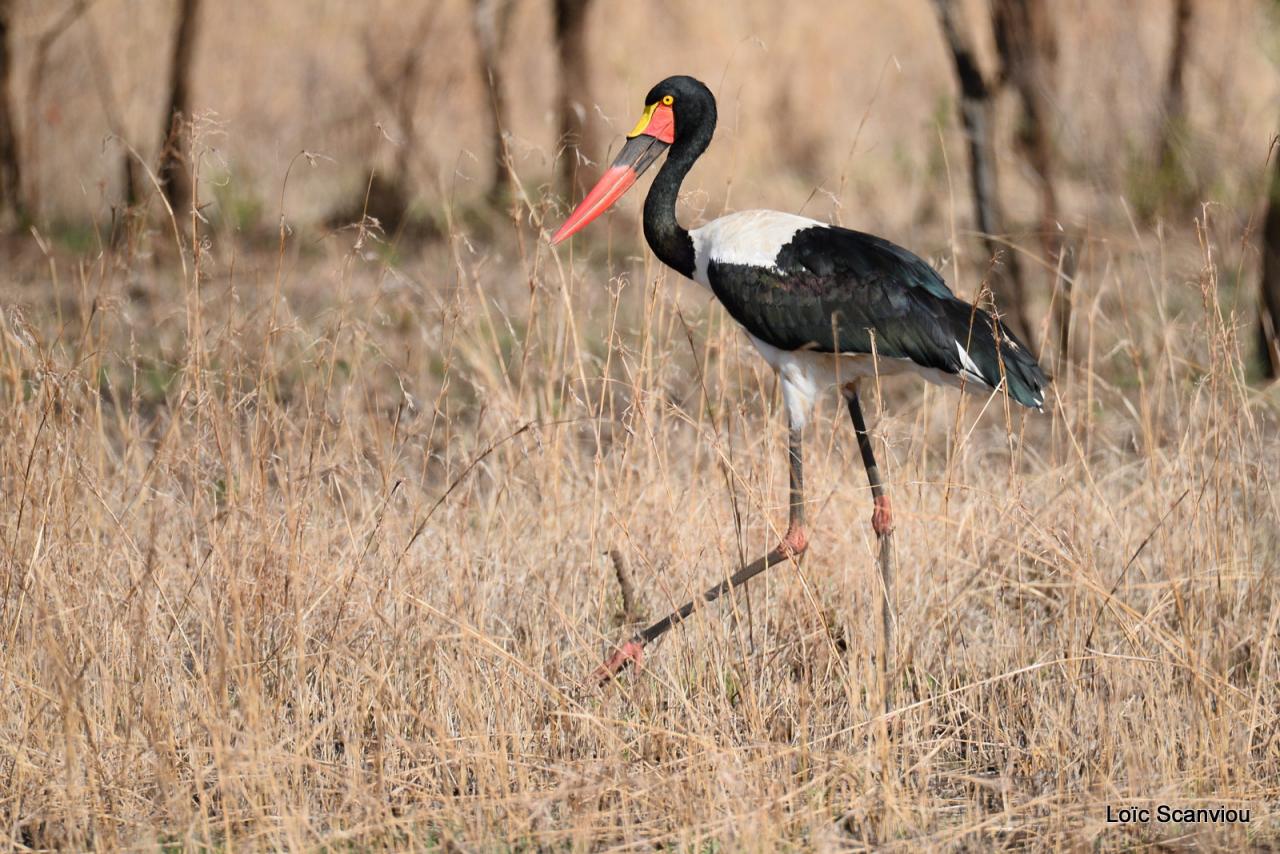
x: 969, y: 370
x: 750, y: 238
x: 968, y: 367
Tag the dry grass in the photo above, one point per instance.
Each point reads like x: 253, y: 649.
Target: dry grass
x: 310, y: 549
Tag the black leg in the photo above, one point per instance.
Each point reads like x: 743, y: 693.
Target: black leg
x: 882, y: 524
x: 795, y: 459
x: 793, y: 546
x: 881, y: 517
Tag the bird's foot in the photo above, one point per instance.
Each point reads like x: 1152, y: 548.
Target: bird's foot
x: 882, y: 517
x: 630, y: 652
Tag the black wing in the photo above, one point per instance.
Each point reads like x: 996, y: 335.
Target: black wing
x: 831, y: 289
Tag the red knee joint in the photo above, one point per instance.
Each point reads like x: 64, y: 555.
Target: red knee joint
x: 795, y: 542
x: 630, y: 652
x: 882, y: 516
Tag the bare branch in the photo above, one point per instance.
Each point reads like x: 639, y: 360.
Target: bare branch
x: 174, y: 171
x: 491, y: 22
x: 12, y: 208
x: 977, y: 107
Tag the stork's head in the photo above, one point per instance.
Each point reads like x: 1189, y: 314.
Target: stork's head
x: 677, y: 111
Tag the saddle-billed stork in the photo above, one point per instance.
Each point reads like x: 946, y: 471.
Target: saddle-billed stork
x: 826, y: 307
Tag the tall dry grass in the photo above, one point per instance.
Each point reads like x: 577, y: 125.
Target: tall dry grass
x: 306, y: 547
x: 312, y: 553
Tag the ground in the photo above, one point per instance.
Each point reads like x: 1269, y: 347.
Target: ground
x: 309, y: 548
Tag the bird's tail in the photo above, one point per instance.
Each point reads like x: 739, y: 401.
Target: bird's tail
x: 991, y: 354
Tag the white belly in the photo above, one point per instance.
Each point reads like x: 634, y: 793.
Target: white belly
x: 807, y: 373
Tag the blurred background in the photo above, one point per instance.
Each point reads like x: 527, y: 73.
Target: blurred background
x: 321, y: 471
x: 1080, y: 118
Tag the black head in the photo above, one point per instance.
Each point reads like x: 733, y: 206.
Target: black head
x: 679, y: 113
x: 692, y: 103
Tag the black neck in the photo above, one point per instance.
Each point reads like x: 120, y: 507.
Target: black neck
x: 667, y: 238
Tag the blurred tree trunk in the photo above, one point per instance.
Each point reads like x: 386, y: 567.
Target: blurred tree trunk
x: 1027, y: 43
x: 491, y: 20
x: 573, y: 103
x: 12, y: 210
x: 397, y: 82
x: 174, y: 173
x: 35, y: 93
x: 1269, y: 298
x: 1174, y: 114
x: 977, y: 105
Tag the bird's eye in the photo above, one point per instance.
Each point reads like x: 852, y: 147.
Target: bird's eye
x: 667, y: 100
